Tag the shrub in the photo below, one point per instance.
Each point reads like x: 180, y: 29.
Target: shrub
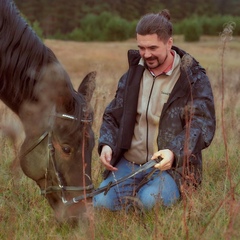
x: 105, y: 27
x: 212, y: 26
x: 206, y: 25
x: 117, y: 29
x: 76, y: 35
x: 192, y: 30
x: 91, y: 27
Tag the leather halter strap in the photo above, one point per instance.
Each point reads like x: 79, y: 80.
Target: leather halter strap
x: 35, y: 144
x: 60, y: 186
x: 51, y: 189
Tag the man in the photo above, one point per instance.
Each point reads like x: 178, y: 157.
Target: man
x: 163, y: 108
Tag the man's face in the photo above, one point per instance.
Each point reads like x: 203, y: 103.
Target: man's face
x: 153, y: 51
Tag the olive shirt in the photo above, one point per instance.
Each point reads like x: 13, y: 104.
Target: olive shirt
x: 153, y: 94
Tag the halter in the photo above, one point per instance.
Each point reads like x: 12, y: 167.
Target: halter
x: 61, y: 186
x: 51, y: 157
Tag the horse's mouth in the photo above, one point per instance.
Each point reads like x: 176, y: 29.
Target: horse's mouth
x: 79, y: 213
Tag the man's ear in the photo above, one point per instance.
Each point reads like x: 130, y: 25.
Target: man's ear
x: 170, y: 43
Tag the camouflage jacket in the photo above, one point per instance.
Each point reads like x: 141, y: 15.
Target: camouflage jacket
x: 187, y: 122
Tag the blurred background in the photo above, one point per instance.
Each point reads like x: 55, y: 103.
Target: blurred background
x: 111, y: 20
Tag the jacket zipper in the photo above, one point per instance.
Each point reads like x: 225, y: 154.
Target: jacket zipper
x: 149, y: 98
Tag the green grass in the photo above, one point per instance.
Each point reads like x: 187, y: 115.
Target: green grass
x: 212, y: 212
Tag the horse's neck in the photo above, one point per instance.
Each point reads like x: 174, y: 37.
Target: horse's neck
x: 22, y: 54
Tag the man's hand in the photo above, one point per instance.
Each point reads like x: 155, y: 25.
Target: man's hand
x: 106, y: 157
x: 167, y: 159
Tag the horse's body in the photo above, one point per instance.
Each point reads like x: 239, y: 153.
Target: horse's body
x: 56, y: 118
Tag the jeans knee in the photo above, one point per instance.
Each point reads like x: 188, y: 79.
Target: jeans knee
x: 148, y: 202
x: 165, y: 200
x: 105, y: 201
x: 101, y: 201
x: 169, y: 199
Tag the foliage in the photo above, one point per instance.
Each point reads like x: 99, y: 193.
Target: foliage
x: 213, y: 26
x: 103, y: 27
x: 192, y: 30
x: 56, y: 18
x: 117, y: 29
x: 194, y: 27
x: 107, y: 27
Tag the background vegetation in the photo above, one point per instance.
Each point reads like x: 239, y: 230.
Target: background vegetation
x: 213, y: 212
x: 115, y: 20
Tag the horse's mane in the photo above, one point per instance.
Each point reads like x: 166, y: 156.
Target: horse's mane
x: 25, y: 61
x: 23, y: 57
x: 20, y: 50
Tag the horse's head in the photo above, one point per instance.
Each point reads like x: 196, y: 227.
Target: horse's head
x: 57, y: 155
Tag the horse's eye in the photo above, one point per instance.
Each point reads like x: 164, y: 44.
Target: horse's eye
x: 66, y: 149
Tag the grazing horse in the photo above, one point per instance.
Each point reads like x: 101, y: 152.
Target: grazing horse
x: 57, y: 120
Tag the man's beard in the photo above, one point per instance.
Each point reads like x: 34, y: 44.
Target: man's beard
x: 155, y: 58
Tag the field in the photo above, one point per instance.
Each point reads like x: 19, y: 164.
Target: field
x: 213, y: 212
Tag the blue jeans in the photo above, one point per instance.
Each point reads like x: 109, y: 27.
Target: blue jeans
x: 161, y: 188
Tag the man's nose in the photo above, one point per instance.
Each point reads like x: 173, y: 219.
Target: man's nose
x: 147, y: 54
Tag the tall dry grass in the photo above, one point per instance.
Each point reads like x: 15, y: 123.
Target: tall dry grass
x: 213, y: 212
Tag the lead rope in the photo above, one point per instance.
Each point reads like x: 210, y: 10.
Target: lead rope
x: 85, y: 121
x: 83, y: 160
x: 89, y: 213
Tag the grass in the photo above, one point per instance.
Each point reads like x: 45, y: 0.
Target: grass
x: 213, y: 212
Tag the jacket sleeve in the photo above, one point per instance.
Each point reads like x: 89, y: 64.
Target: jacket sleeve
x: 198, y: 122
x: 110, y: 127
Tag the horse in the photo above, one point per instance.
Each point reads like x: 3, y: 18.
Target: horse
x: 57, y: 120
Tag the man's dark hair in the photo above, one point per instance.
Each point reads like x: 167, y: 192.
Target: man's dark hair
x: 158, y: 23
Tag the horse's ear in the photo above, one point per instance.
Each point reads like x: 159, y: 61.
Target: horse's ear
x: 88, y: 85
